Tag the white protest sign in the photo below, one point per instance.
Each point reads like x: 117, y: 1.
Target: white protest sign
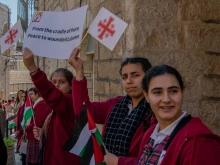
x: 107, y: 28
x: 55, y: 34
x: 13, y: 35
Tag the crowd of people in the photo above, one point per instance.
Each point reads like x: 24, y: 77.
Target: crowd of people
x: 147, y: 126
x: 10, y: 109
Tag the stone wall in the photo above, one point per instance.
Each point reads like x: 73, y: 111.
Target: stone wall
x: 184, y: 34
x: 20, y: 80
x: 3, y: 18
x: 4, y: 77
x: 4, y: 73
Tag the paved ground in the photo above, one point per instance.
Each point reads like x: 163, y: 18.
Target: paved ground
x: 17, y: 159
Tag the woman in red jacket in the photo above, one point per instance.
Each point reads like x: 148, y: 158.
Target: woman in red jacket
x: 19, y: 100
x: 57, y: 95
x: 41, y: 111
x: 178, y: 138
x: 123, y: 117
x: 19, y: 130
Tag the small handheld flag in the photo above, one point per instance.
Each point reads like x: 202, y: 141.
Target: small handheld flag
x: 12, y: 122
x: 86, y: 140
x: 28, y: 111
x: 13, y: 35
x: 107, y: 28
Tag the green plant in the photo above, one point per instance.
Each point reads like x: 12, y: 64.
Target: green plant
x: 9, y: 142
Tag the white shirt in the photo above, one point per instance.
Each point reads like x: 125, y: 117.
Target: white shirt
x: 158, y: 137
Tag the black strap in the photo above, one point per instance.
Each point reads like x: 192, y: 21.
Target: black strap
x: 12, y: 117
x: 180, y: 125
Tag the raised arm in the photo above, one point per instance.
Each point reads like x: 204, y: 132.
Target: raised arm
x: 98, y: 110
x: 60, y: 103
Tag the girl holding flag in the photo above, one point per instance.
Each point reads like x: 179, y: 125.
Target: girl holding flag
x: 124, y: 116
x: 58, y: 126
x: 19, y: 130
x: 41, y: 111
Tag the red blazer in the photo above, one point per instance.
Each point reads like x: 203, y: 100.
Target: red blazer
x: 61, y: 123
x: 18, y: 128
x: 194, y: 144
x: 41, y: 110
x: 100, y: 112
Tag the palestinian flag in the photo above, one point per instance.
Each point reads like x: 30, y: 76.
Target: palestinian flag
x: 28, y: 111
x: 86, y: 140
x: 12, y: 122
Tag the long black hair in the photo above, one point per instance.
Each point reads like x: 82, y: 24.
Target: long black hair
x: 17, y: 98
x: 136, y: 60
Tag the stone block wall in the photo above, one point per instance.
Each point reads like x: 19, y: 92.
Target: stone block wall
x: 20, y: 80
x: 3, y: 72
x: 3, y: 79
x: 184, y: 34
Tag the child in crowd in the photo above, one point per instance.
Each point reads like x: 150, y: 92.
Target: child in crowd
x: 124, y: 116
x: 59, y: 124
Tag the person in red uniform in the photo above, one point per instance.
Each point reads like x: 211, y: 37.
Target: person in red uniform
x: 41, y: 111
x: 124, y: 116
x: 57, y: 95
x: 19, y: 100
x: 178, y: 138
x: 19, y: 130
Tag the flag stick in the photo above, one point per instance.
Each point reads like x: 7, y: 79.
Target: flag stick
x: 34, y: 119
x: 106, y: 151
x: 33, y: 115
x: 32, y: 110
x: 83, y: 39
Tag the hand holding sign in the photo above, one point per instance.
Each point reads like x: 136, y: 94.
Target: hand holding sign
x: 55, y: 34
x: 77, y: 64
x: 28, y: 59
x: 74, y: 60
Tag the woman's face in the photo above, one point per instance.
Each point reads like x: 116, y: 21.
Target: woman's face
x: 33, y: 96
x: 165, y: 97
x: 19, y: 95
x: 60, y: 81
x: 132, y: 75
x: 22, y: 97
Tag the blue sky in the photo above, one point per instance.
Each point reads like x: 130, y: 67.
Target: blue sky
x: 12, y: 4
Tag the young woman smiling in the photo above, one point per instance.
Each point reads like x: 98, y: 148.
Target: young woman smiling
x: 178, y: 138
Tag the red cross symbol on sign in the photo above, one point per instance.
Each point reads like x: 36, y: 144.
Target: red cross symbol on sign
x: 106, y: 28
x: 12, y: 35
